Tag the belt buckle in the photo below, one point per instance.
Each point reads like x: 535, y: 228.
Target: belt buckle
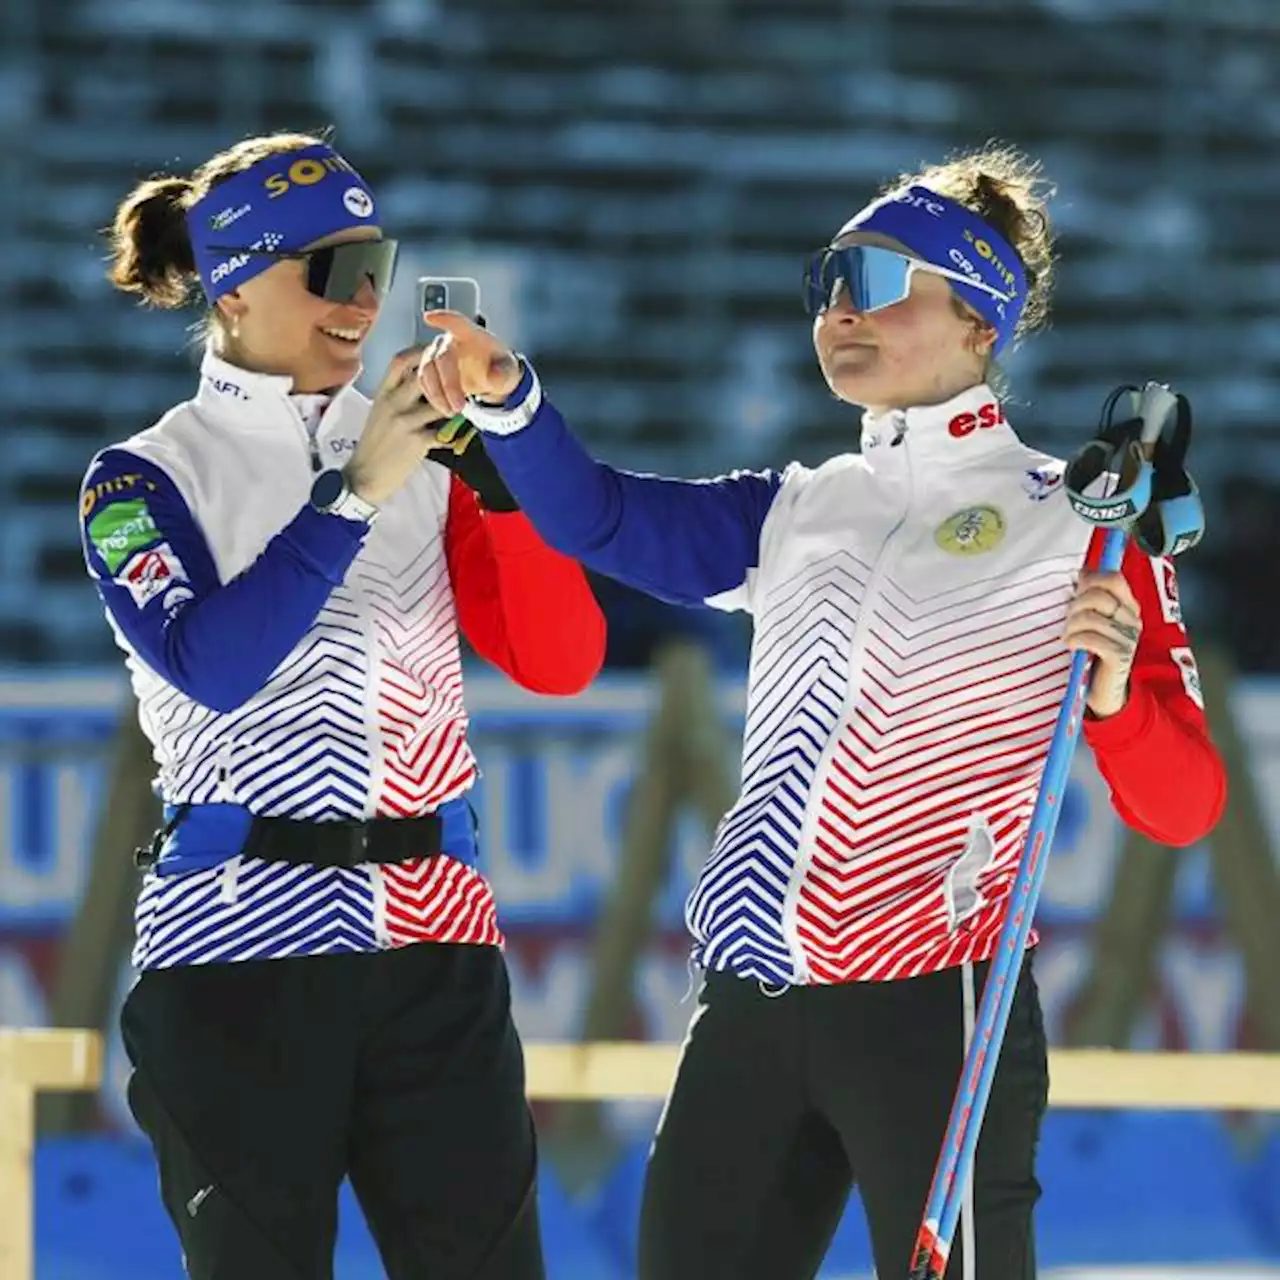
x: 358, y: 848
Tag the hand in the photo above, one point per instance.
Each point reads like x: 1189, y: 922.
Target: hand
x: 1104, y: 619
x: 461, y: 450
x: 465, y: 360
x: 397, y: 435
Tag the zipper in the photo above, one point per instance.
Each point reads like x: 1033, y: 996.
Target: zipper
x: 313, y: 431
x: 853, y: 690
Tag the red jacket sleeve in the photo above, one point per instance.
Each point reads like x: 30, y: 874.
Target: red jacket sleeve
x: 1167, y: 779
x: 524, y: 607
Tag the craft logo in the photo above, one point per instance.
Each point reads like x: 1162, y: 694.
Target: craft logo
x: 268, y: 242
x: 971, y: 532
x: 224, y: 269
x: 226, y: 388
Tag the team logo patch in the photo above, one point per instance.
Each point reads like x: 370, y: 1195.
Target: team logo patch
x: 971, y: 532
x: 1167, y: 590
x: 1186, y: 661
x: 1041, y: 483
x: 150, y: 572
x: 358, y: 202
x: 121, y: 530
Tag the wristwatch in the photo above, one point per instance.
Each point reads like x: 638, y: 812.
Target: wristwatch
x: 331, y: 494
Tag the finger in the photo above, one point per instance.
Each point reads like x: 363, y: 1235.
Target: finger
x: 452, y: 322
x: 406, y: 393
x: 432, y: 389
x: 1096, y: 597
x: 423, y: 417
x: 401, y: 363
x: 1108, y: 613
x: 407, y: 396
x: 1114, y: 584
x: 451, y: 381
x: 1104, y: 602
x: 1122, y: 623
x: 1100, y: 645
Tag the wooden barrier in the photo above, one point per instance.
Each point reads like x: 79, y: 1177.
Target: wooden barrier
x: 32, y: 1061
x: 1081, y: 1078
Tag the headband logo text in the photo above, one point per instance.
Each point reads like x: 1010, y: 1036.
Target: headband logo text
x: 984, y: 250
x: 304, y: 173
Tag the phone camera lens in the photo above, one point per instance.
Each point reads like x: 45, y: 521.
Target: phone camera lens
x: 434, y: 297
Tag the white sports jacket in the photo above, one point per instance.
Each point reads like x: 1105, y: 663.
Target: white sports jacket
x: 293, y: 663
x: 906, y: 671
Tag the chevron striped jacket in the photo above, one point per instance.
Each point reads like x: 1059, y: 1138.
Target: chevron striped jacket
x: 906, y: 672
x: 292, y: 663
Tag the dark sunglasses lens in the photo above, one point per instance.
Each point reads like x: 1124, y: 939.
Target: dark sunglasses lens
x: 338, y: 272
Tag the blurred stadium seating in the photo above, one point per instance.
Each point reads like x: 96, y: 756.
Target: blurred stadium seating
x: 635, y: 187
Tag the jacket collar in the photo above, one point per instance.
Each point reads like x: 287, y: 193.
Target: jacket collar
x: 232, y: 392
x: 968, y: 426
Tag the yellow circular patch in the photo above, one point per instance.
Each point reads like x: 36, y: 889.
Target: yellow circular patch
x: 86, y: 502
x: 971, y: 532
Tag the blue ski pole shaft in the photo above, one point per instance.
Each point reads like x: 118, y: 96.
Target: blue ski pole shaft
x: 959, y: 1145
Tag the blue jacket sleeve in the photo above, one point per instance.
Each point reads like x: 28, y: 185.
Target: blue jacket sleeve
x: 683, y: 541
x: 218, y: 643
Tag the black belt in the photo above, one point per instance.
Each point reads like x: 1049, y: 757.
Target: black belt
x: 346, y: 842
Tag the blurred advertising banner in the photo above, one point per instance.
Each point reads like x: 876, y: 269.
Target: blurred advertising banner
x: 551, y: 804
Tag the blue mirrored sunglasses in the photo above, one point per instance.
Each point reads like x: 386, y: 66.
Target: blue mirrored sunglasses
x: 874, y: 277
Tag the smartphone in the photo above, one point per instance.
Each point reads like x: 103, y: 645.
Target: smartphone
x: 444, y: 293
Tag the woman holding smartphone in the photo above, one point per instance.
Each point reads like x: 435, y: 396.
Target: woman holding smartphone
x: 287, y: 567
x: 915, y: 605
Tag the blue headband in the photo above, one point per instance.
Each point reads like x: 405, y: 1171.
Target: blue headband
x: 281, y: 204
x: 946, y: 234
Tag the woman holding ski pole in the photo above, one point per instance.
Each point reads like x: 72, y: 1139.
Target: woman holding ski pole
x: 916, y: 606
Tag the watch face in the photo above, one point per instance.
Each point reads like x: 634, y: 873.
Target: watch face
x: 327, y: 489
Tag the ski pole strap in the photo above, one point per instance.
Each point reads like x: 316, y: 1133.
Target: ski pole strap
x: 1115, y: 450
x: 1155, y: 498
x: 1174, y: 522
